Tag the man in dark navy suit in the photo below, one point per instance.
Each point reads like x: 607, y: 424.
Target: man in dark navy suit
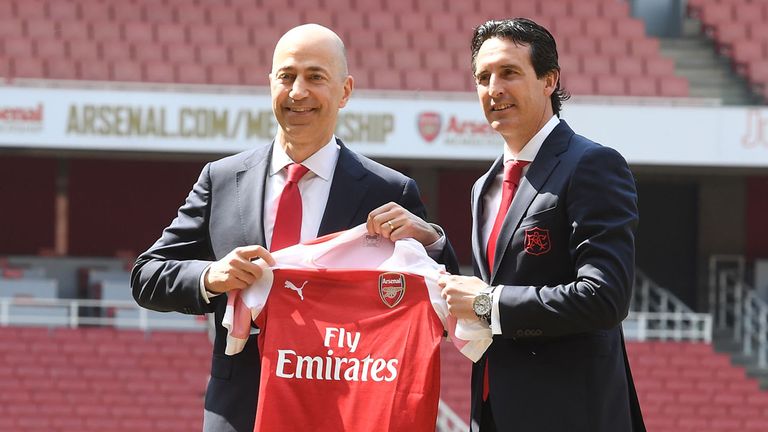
x: 553, y: 241
x: 231, y: 216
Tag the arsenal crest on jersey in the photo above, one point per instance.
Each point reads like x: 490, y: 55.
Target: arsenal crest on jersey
x: 391, y: 288
x: 537, y: 241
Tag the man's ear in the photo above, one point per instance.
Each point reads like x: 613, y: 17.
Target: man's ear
x: 550, y: 81
x: 349, y: 84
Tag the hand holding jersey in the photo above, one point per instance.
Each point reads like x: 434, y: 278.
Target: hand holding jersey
x: 349, y: 323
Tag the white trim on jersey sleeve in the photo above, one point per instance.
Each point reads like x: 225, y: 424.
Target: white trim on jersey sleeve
x: 243, y: 306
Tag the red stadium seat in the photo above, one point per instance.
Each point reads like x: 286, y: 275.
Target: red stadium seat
x: 629, y: 28
x: 642, y: 86
x: 597, y: 65
x: 180, y: 53
x: 443, y: 22
x: 364, y: 39
x: 581, y: 46
x: 10, y: 27
x: 251, y: 16
x: 247, y: 54
x: 659, y: 66
x: 613, y: 46
x: 758, y: 32
x: 63, y: 10
x: 614, y: 9
x: 125, y: 12
x: 519, y: 8
x: 599, y: 29
x: 453, y: 80
x: 317, y: 16
x: 578, y: 84
x: 190, y: 16
x: 727, y: 33
x: 255, y: 74
x: 116, y: 50
x: 412, y: 22
x: 629, y: 66
x: 425, y: 40
x: 85, y: 50
x: 73, y: 30
x: 142, y: 51
x: 169, y: 32
x: 381, y: 21
x: 28, y: 68
x: 407, y: 60
x: 644, y: 47
x: 392, y: 40
x: 286, y: 21
x: 422, y: 81
x: 126, y: 70
x: 610, y: 85
x: 224, y: 74
x: 368, y: 5
x: 159, y: 72
x: 568, y: 28
x: 587, y: 9
x: 158, y: 12
x: 673, y: 86
x: 18, y: 47
x: 442, y: 61
x: 757, y: 71
x: 431, y: 7
x: 40, y: 28
x: 745, y: 12
x: 386, y: 79
x: 205, y: 33
x: 103, y: 31
x: 746, y: 51
x: 213, y: 54
x: 570, y: 64
x: 94, y: 10
x: 138, y: 31
x: 557, y: 11
x: 191, y: 73
x: 47, y: 48
x: 102, y: 71
x: 30, y: 8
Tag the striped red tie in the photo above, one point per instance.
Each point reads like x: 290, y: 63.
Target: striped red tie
x: 287, y: 230
x: 512, y: 172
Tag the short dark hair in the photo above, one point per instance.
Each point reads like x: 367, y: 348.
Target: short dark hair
x: 523, y: 31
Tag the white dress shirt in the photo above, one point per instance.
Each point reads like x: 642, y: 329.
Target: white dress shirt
x: 492, y: 200
x: 315, y: 187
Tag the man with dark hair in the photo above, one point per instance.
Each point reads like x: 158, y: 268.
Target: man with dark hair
x: 303, y: 185
x: 554, y: 221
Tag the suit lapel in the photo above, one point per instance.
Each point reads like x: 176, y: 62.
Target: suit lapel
x: 347, y: 192
x: 250, y: 195
x: 530, y: 185
x: 482, y: 184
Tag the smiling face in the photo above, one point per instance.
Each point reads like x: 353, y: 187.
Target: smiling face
x: 309, y: 84
x: 515, y: 101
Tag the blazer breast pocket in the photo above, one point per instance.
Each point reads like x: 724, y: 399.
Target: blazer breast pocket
x: 537, y: 234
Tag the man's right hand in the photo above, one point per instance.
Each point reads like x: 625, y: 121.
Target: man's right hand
x: 237, y: 269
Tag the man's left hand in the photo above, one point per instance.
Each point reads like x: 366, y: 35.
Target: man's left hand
x: 394, y: 222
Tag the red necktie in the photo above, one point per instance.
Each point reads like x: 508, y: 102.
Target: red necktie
x: 512, y: 172
x: 287, y: 230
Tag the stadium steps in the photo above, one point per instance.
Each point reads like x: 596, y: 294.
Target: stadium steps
x: 709, y: 74
x: 724, y: 342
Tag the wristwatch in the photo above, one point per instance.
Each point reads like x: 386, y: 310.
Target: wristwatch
x: 483, y: 304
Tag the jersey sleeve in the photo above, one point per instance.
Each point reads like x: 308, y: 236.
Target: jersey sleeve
x: 243, y: 306
x: 470, y: 337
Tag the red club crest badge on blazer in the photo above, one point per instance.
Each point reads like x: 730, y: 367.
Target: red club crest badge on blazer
x: 429, y: 125
x: 537, y: 241
x: 391, y: 288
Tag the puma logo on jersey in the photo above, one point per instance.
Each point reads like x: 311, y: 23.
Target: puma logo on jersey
x: 291, y: 286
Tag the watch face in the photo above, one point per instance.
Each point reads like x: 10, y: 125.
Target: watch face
x: 482, y: 304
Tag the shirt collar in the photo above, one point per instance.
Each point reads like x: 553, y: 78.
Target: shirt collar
x: 531, y: 149
x: 321, y: 163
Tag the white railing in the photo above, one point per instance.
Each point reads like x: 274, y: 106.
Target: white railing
x: 78, y: 312
x: 738, y: 308
x: 656, y: 313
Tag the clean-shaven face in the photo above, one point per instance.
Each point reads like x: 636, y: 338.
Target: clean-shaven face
x: 516, y: 103
x: 309, y: 84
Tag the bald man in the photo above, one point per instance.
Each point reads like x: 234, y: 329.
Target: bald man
x: 228, y: 219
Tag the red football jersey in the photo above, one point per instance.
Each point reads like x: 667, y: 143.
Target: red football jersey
x: 350, y: 333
